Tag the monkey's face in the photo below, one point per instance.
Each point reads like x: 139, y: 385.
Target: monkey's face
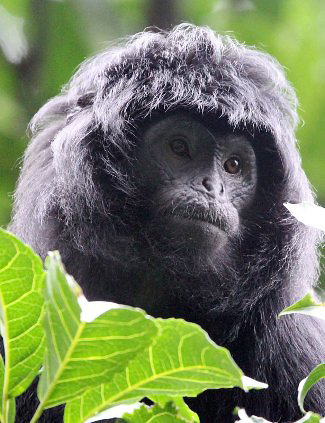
x: 197, y: 181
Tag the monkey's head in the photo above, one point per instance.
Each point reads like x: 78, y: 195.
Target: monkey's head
x: 176, y: 148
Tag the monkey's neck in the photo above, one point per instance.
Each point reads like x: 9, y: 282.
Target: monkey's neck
x: 203, y: 298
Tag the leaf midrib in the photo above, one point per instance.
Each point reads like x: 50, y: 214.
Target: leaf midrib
x: 62, y: 366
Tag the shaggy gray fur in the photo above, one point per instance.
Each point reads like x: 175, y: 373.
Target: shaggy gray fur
x: 76, y: 194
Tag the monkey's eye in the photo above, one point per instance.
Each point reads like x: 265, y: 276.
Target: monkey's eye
x: 179, y: 147
x: 232, y: 165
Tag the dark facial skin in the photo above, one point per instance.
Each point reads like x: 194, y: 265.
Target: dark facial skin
x: 198, y: 179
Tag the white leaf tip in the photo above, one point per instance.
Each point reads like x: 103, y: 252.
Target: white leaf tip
x: 249, y: 383
x: 90, y: 310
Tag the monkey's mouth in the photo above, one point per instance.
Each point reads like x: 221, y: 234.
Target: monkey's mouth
x: 204, y: 218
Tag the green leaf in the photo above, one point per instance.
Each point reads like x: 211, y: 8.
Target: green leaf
x: 115, y: 413
x: 311, y: 418
x: 80, y: 355
x: 307, y: 305
x: 155, y: 414
x: 306, y: 384
x: 21, y: 310
x: 183, y: 410
x: 183, y: 361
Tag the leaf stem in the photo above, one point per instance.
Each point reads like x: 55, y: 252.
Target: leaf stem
x: 5, y: 409
x: 5, y: 404
x: 38, y: 413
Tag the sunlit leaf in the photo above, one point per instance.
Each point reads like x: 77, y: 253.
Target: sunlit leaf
x: 155, y: 414
x: 308, y: 213
x: 312, y: 418
x: 183, y: 361
x: 307, y: 305
x: 90, y: 310
x: 306, y: 384
x: 115, y: 412
x: 183, y: 410
x: 79, y: 354
x: 244, y: 418
x: 21, y: 310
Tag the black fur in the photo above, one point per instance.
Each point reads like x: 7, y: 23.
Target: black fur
x: 78, y: 193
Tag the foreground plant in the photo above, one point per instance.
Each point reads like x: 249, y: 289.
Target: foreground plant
x: 99, y: 358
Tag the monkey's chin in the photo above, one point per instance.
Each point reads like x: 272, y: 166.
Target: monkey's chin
x: 195, y: 235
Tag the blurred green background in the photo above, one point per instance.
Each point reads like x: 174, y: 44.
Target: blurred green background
x: 42, y: 42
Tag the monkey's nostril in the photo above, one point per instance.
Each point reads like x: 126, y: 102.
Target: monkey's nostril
x: 208, y: 185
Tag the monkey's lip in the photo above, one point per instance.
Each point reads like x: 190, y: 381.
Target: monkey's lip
x: 216, y: 224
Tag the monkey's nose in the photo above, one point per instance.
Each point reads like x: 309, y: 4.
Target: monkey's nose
x: 213, y: 187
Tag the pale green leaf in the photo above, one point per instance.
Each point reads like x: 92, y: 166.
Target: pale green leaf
x: 183, y: 410
x: 244, y: 418
x: 306, y: 384
x: 311, y: 418
x: 155, y: 414
x: 79, y: 354
x: 90, y: 310
x: 115, y: 412
x: 307, y: 418
x: 182, y: 362
x: 308, y: 213
x: 21, y: 310
x: 249, y: 383
x: 307, y: 305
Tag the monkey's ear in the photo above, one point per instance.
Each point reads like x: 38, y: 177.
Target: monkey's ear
x: 85, y: 100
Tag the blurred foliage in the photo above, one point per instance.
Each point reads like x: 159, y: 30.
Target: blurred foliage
x: 42, y: 42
